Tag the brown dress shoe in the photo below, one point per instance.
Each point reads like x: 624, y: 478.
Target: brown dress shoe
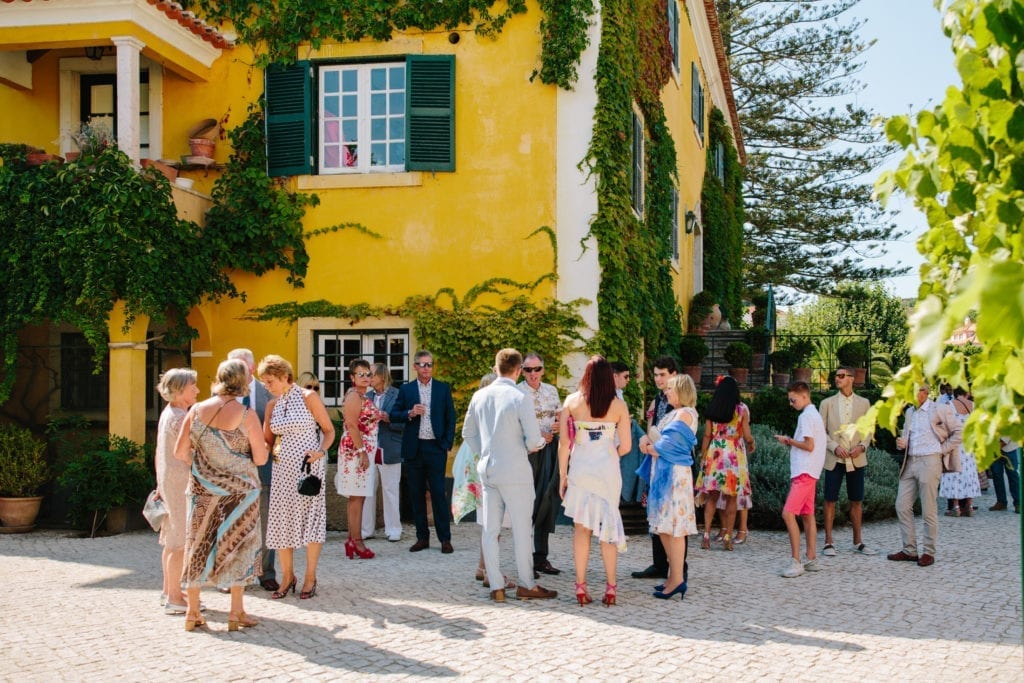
x: 926, y: 560
x: 270, y: 585
x: 902, y: 557
x: 498, y: 595
x: 546, y: 568
x: 538, y: 592
x: 997, y: 507
x: 447, y: 548
x: 419, y: 545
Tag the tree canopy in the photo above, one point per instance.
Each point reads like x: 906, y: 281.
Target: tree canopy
x: 811, y: 223
x: 964, y: 170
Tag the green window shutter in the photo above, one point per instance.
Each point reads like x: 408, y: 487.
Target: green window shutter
x: 430, y: 119
x: 288, y: 91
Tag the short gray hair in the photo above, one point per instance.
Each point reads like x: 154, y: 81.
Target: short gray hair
x: 174, y: 381
x: 245, y: 355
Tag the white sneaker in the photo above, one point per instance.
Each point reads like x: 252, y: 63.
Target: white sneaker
x: 792, y: 571
x: 394, y: 538
x: 864, y: 550
x: 829, y: 550
x: 812, y: 566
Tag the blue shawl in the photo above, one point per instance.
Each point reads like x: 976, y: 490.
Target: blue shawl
x: 675, y: 447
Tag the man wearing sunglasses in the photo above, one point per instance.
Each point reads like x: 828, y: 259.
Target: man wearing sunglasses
x: 845, y: 458
x: 546, y: 404
x: 426, y: 405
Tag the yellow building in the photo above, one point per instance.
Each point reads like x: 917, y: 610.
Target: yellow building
x: 440, y: 143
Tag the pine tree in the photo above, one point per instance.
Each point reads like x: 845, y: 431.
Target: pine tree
x: 811, y: 222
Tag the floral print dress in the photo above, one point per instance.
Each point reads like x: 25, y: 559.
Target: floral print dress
x: 351, y: 478
x: 724, y: 469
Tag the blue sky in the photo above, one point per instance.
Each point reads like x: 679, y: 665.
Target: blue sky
x: 907, y: 69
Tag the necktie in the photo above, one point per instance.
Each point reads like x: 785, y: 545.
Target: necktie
x: 245, y: 401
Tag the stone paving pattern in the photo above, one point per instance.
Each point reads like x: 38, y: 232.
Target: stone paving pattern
x: 87, y: 610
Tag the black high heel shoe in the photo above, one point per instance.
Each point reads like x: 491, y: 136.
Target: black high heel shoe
x: 681, y: 589
x: 306, y: 595
x: 278, y: 594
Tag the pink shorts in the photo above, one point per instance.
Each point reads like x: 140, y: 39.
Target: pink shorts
x: 800, y: 500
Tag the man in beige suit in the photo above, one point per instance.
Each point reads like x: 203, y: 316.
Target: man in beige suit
x: 845, y: 457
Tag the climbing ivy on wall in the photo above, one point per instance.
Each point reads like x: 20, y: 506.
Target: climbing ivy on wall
x: 722, y: 214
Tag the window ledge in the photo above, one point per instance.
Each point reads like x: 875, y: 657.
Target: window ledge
x: 346, y: 180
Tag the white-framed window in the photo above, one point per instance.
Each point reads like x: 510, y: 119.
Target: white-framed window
x: 362, y: 118
x: 697, y: 101
x: 333, y: 350
x: 698, y: 253
x: 673, y: 32
x: 637, y: 166
x: 675, y: 225
x: 719, y: 159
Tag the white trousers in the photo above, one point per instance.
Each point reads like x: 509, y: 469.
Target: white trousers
x: 518, y: 500
x: 389, y: 476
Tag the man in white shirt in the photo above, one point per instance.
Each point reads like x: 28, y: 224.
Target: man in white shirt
x: 929, y: 431
x: 806, y: 458
x: 501, y: 426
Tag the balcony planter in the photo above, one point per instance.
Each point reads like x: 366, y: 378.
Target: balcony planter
x: 23, y: 470
x: 201, y: 147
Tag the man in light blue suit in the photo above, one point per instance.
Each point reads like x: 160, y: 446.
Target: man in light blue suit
x: 501, y: 426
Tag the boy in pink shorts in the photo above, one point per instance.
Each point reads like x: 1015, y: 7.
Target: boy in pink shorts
x: 806, y: 460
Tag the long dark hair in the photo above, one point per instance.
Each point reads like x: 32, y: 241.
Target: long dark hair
x: 598, y: 386
x: 723, y: 404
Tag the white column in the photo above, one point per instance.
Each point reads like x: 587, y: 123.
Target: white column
x: 128, y: 49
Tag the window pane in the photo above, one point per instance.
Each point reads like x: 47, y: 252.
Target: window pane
x: 396, y: 127
x: 331, y: 131
x: 331, y: 106
x: 378, y: 154
x: 396, y: 103
x: 350, y: 130
x: 397, y: 152
x: 331, y: 81
x: 349, y: 80
x: 397, y: 78
x: 378, y: 78
x: 378, y: 105
x: 349, y: 105
x: 378, y: 129
x: 331, y: 156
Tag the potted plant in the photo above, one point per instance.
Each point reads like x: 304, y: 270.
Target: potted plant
x: 739, y: 356
x: 758, y: 340
x: 92, y: 138
x: 700, y: 308
x: 855, y: 355
x: 692, y: 352
x: 782, y: 365
x: 110, y: 472
x: 23, y: 470
x: 801, y: 348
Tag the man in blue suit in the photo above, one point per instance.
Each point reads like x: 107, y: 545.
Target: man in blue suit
x: 425, y: 446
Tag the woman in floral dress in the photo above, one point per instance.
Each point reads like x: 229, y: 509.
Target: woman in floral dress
x: 961, y: 488
x: 358, y: 441
x: 727, y: 441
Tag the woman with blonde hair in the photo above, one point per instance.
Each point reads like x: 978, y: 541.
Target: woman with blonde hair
x: 222, y: 542
x: 591, y: 487
x: 297, y: 424
x: 668, y: 467
x: 178, y: 387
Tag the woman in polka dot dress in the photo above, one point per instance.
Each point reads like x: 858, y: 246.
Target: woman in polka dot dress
x: 294, y: 520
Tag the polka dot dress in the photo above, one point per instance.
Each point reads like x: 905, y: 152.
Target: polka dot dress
x: 294, y: 520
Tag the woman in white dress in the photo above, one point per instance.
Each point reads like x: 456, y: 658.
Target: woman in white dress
x: 590, y: 481
x: 960, y: 488
x: 297, y: 421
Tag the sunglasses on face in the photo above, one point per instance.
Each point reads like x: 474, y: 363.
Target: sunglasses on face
x: 843, y: 376
x: 424, y: 365
x: 362, y: 375
x: 535, y: 369
x: 314, y: 387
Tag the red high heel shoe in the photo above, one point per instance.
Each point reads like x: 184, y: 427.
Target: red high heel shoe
x: 609, y: 594
x: 352, y: 550
x: 582, y: 595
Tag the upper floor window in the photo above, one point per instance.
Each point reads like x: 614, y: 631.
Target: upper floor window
x: 367, y: 117
x: 636, y: 170
x: 675, y: 225
x: 719, y: 159
x: 333, y: 350
x: 697, y: 101
x: 673, y: 32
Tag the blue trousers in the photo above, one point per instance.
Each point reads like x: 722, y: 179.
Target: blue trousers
x: 426, y: 470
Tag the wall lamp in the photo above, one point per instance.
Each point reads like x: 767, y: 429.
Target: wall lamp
x: 95, y: 52
x: 691, y: 222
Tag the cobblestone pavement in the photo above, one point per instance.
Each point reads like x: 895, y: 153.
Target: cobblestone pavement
x: 81, y: 609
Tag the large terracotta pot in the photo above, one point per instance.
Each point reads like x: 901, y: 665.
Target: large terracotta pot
x: 19, y: 514
x: 117, y: 520
x: 694, y: 372
x: 741, y: 375
x: 860, y: 376
x: 802, y: 374
x: 780, y: 379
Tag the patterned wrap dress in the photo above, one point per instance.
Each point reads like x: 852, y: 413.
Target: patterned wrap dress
x: 295, y: 519
x: 172, y: 478
x: 725, y: 466
x: 595, y: 482
x: 676, y: 516
x: 222, y: 543
x: 351, y: 478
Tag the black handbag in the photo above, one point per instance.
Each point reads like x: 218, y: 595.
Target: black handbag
x: 310, y: 484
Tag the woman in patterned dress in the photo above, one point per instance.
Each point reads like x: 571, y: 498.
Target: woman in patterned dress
x: 670, y: 499
x: 590, y: 482
x: 296, y: 422
x: 727, y: 441
x: 358, y: 442
x: 960, y: 488
x: 222, y: 542
x: 178, y: 387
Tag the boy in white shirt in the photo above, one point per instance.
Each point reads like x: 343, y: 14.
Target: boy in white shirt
x: 806, y: 460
